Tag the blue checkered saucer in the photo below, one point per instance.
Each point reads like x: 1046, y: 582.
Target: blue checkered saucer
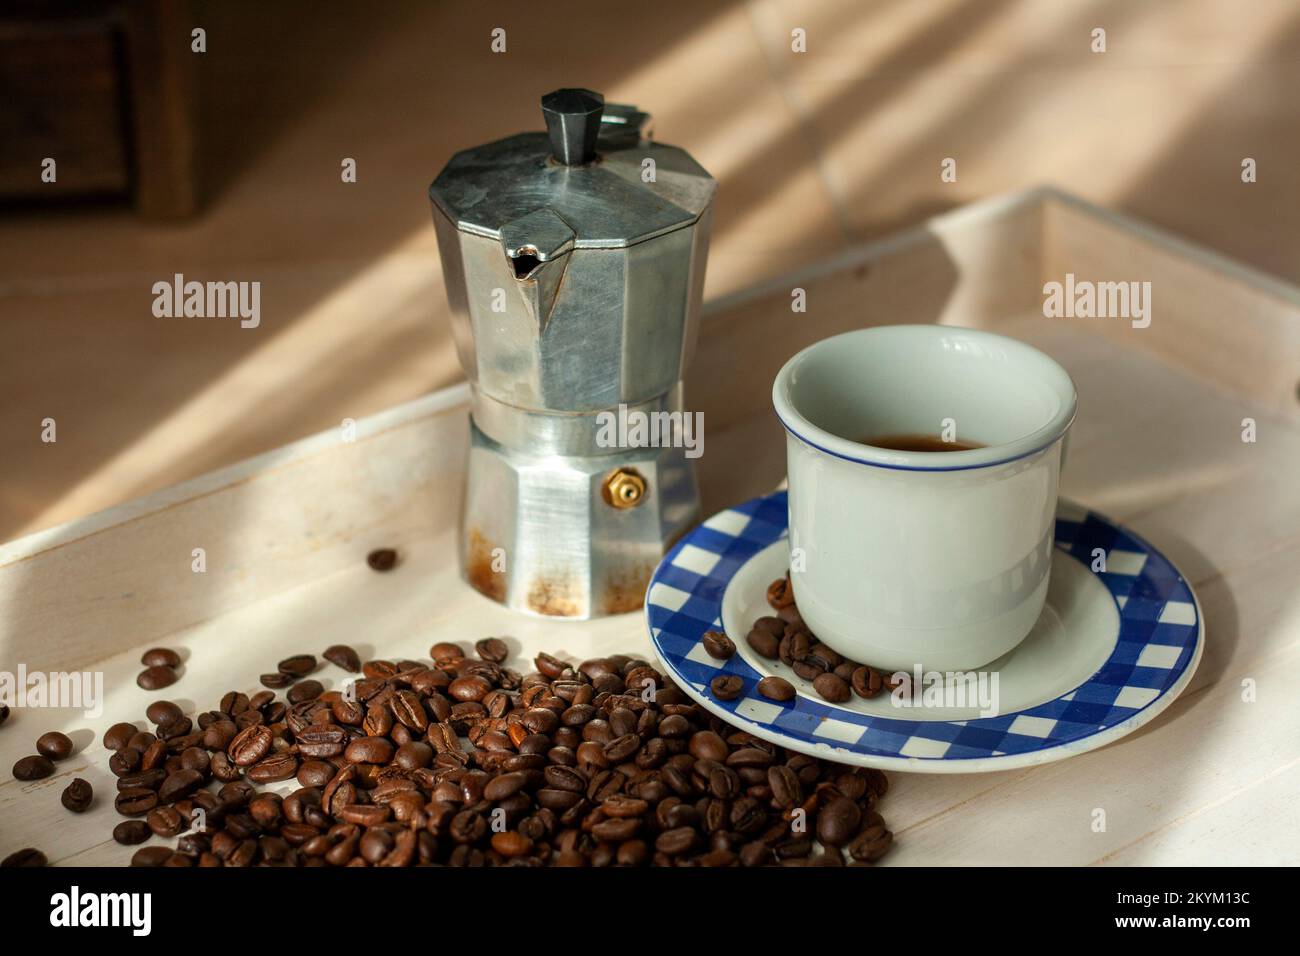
x: 1119, y: 639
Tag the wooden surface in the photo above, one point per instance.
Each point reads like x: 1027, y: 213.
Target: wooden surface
x: 1157, y: 445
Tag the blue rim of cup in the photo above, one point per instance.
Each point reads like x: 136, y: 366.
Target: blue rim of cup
x: 880, y: 464
x: 1048, y: 435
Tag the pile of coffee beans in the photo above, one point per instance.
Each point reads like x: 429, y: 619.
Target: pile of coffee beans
x: 785, y: 637
x: 160, y: 665
x: 462, y: 761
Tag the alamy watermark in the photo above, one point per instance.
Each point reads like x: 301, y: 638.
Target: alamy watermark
x: 75, y: 908
x: 1084, y: 299
x: 209, y: 300
x: 634, y: 428
x: 932, y: 689
x: 77, y: 690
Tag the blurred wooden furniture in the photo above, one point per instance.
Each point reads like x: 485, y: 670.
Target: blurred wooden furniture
x: 106, y: 90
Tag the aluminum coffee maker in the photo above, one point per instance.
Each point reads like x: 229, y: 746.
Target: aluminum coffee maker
x: 574, y: 265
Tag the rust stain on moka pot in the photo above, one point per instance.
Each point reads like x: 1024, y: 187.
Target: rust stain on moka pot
x: 480, y: 567
x: 626, y: 591
x: 553, y: 598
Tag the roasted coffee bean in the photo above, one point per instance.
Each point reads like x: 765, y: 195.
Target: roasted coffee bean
x: 511, y: 844
x: 270, y: 769
x: 154, y: 756
x: 130, y: 832
x: 492, y: 649
x: 135, y: 802
x: 550, y: 666
x: 276, y: 680
x: 77, y: 796
x: 116, y: 737
x: 125, y: 761
x: 473, y: 688
x: 223, y: 768
x: 347, y: 711
x: 409, y: 709
x: 747, y: 756
x: 315, y: 773
x: 540, y: 720
x: 776, y: 688
x: 620, y: 748
x: 150, y: 856
x: 707, y: 745
x: 382, y: 559
x: 807, y: 669
x: 369, y: 750
x: 837, y: 821
x: 446, y: 652
x: 156, y: 678
x: 250, y: 745
x: 179, y: 785
x: 29, y: 857
x: 340, y: 655
x: 143, y: 778
x: 831, y: 688
x: 54, y: 745
x: 780, y: 594
x: 165, y: 821
x: 218, y: 734
x: 505, y: 786
x: 825, y: 657
x: 304, y: 691
x: 299, y: 665
x: 443, y: 738
x: 173, y: 729
x: 35, y: 767
x: 565, y: 778
x: 676, y: 841
x: 867, y: 682
x: 322, y: 741
x: 141, y: 741
x: 871, y: 844
x: 413, y: 755
x: 784, y: 784
x: 718, y: 645
x: 727, y: 686
x: 765, y: 636
x: 234, y: 703
x: 196, y: 758
x: 163, y: 712
x: 161, y: 657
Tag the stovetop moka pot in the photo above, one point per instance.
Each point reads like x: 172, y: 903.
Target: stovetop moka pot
x: 574, y: 265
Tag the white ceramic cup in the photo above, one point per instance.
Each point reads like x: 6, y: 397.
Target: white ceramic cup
x: 932, y: 558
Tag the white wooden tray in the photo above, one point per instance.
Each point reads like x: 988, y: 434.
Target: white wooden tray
x: 1157, y: 445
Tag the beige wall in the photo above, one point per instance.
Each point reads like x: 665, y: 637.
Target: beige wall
x: 813, y: 150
